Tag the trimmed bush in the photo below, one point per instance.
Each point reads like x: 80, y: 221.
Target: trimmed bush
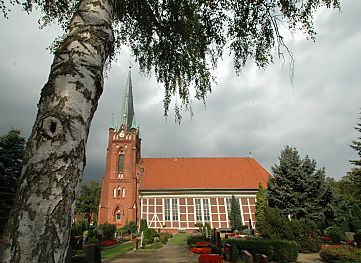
x: 340, y: 254
x: 163, y: 240
x: 335, y: 233
x: 166, y: 234
x: 276, y: 250
x: 147, y: 241
x: 304, y: 231
x: 150, y: 233
x: 191, y: 240
x: 106, y: 230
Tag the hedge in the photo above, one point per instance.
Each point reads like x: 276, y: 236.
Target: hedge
x: 340, y: 253
x: 276, y: 250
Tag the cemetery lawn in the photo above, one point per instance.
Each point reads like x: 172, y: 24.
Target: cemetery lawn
x: 115, y: 250
x: 178, y: 239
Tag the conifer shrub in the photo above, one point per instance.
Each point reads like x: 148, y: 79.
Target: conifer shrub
x: 276, y: 250
x: 235, y: 257
x: 150, y: 233
x: 107, y: 230
x: 304, y: 231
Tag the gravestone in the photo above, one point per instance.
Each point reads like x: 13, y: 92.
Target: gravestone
x: 246, y: 256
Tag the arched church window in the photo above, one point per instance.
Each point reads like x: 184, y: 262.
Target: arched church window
x: 115, y: 192
x: 119, y: 191
x: 123, y: 192
x: 120, y: 164
x: 118, y: 215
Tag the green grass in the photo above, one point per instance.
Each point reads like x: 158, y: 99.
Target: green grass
x: 178, y: 239
x: 116, y: 250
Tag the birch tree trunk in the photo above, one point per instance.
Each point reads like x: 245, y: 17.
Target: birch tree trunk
x: 39, y: 225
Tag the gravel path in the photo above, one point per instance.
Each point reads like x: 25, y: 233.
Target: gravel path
x: 309, y: 258
x: 168, y: 253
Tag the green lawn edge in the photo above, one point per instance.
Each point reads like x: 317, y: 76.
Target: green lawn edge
x: 178, y: 239
x: 116, y: 250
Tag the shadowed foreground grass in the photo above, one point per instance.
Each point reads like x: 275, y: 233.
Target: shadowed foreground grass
x: 178, y: 239
x: 116, y: 250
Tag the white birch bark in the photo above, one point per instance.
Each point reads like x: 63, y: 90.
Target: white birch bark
x: 39, y: 225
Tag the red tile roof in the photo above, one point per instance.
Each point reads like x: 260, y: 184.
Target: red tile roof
x: 202, y: 173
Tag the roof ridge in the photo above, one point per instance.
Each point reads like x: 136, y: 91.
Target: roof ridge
x: 218, y: 157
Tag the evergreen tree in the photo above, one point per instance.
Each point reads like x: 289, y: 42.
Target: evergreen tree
x: 11, y: 153
x: 235, y: 218
x: 261, y: 204
x: 299, y: 189
x: 87, y: 202
x: 355, y: 173
x: 347, y: 208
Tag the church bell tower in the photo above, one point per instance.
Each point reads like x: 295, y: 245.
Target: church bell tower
x: 119, y: 197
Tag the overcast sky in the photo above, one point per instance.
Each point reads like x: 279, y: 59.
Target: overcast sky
x: 258, y: 111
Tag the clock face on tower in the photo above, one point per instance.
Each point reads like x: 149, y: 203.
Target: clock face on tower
x: 121, y: 134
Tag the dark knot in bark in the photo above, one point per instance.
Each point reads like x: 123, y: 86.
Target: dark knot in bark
x: 51, y: 127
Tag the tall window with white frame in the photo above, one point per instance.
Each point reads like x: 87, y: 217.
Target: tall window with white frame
x: 167, y: 209
x: 202, y: 210
x: 206, y: 216
x: 198, y: 205
x: 175, y: 209
x: 171, y: 209
x: 228, y: 202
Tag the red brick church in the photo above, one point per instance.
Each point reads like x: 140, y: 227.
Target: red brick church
x: 172, y: 193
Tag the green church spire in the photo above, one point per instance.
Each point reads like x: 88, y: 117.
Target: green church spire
x: 112, y: 125
x: 127, y: 113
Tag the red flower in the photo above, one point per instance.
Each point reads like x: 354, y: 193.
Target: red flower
x: 210, y: 259
x: 201, y: 250
x: 107, y: 243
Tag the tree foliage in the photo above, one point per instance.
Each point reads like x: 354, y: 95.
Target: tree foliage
x: 261, y: 204
x: 11, y: 152
x: 346, y: 193
x: 143, y: 225
x: 87, y: 201
x: 235, y: 218
x: 354, y: 176
x: 183, y: 40
x: 300, y: 190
